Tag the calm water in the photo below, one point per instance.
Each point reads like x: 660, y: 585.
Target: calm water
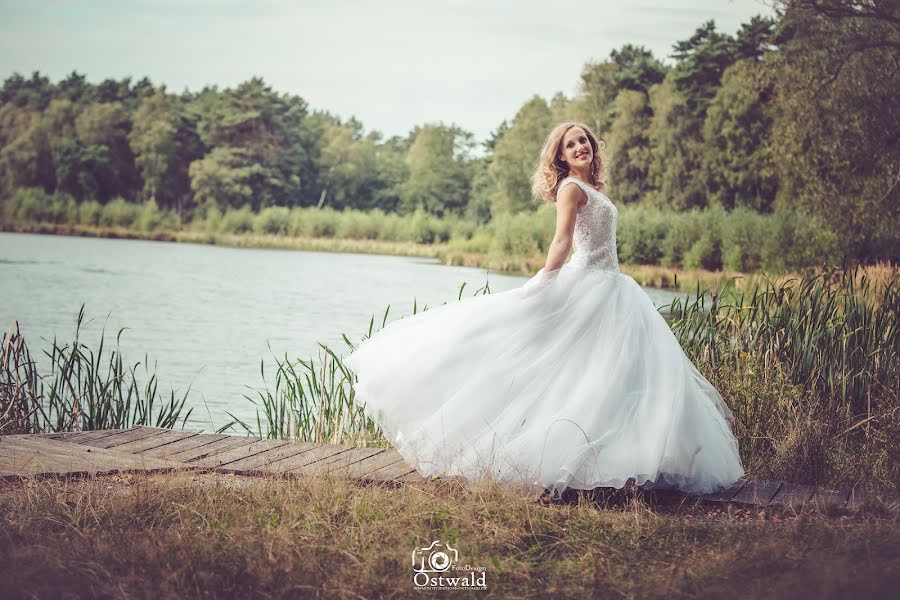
x: 205, y: 316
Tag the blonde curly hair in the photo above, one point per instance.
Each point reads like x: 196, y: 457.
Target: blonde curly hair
x: 551, y: 170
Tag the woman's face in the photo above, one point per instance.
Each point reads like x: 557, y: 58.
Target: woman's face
x: 576, y: 148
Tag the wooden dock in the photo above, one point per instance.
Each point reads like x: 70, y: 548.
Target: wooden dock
x: 152, y: 449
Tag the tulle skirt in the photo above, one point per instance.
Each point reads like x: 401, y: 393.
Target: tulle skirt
x: 573, y: 380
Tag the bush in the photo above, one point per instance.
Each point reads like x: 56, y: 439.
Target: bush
x: 684, y: 230
x: 119, y: 213
x: 421, y: 227
x: 28, y: 205
x: 62, y: 209
x: 89, y: 213
x: 237, y: 221
x: 212, y: 219
x: 641, y: 233
x: 479, y: 242
x: 356, y: 224
x: 798, y: 240
x: 314, y: 222
x: 706, y: 252
x: 150, y: 218
x: 274, y: 220
x: 743, y: 239
x: 392, y: 228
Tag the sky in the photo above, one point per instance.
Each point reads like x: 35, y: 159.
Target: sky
x: 391, y: 64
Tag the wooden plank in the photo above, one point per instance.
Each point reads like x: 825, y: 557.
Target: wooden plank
x: 47, y: 456
x: 46, y: 446
x: 96, y: 434
x: 297, y: 461
x: 337, y: 465
x: 37, y: 464
x: 392, y: 472
x: 725, y: 495
x: 73, y: 436
x: 363, y: 468
x: 257, y: 462
x: 62, y: 449
x: 793, y: 494
x: 230, y: 442
x: 129, y: 435
x: 829, y: 498
x: 154, y: 441
x: 197, y: 441
x: 235, y: 454
x: 757, y: 493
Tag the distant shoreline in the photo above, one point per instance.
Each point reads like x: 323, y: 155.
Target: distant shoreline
x: 655, y: 276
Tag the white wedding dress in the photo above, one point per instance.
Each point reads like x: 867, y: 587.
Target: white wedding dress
x: 573, y: 380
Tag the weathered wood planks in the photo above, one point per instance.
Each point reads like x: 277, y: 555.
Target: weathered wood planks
x: 46, y: 456
x: 142, y: 448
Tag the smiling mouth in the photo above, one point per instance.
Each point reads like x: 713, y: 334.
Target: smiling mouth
x: 582, y: 155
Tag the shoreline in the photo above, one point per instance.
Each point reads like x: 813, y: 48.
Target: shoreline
x: 653, y: 276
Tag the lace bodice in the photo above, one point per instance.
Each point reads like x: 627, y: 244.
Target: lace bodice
x: 595, y: 230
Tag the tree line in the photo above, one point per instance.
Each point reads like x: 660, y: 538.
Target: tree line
x: 794, y: 113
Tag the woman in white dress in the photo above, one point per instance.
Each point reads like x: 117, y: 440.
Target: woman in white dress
x: 573, y: 380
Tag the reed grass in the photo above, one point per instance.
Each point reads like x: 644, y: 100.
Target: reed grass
x: 836, y: 332
x: 315, y: 400
x: 79, y: 393
x: 810, y: 366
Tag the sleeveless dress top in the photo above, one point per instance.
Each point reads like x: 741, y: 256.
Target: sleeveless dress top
x: 595, y: 230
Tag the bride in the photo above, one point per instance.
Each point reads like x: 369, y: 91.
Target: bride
x: 573, y: 380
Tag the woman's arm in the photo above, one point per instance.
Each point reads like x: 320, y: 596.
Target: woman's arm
x: 567, y: 201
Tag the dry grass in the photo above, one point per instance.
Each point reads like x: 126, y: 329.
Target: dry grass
x: 225, y: 536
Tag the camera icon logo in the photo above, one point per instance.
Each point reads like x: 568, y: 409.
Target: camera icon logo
x: 435, y: 558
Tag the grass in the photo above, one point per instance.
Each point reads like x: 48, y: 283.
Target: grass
x: 811, y: 369
x: 225, y: 536
x: 81, y: 392
x: 315, y: 401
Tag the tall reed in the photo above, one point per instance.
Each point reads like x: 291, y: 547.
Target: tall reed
x: 78, y: 394
x: 836, y: 333
x: 316, y: 401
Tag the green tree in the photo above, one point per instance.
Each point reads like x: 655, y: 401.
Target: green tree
x: 346, y: 166
x: 638, y: 68
x: 738, y: 169
x: 629, y: 146
x: 104, y: 128
x: 515, y: 157
x: 835, y: 82
x: 675, y: 150
x: 596, y: 91
x: 267, y: 135
x: 224, y: 177
x: 438, y: 174
x: 162, y: 147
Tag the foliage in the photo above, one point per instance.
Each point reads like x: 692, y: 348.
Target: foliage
x: 78, y: 394
x: 793, y: 116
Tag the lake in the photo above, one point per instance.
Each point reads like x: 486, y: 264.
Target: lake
x: 205, y: 316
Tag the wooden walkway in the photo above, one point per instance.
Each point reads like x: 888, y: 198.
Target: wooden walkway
x: 152, y: 449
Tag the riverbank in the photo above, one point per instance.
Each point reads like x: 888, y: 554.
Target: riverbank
x: 219, y: 536
x: 646, y: 275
